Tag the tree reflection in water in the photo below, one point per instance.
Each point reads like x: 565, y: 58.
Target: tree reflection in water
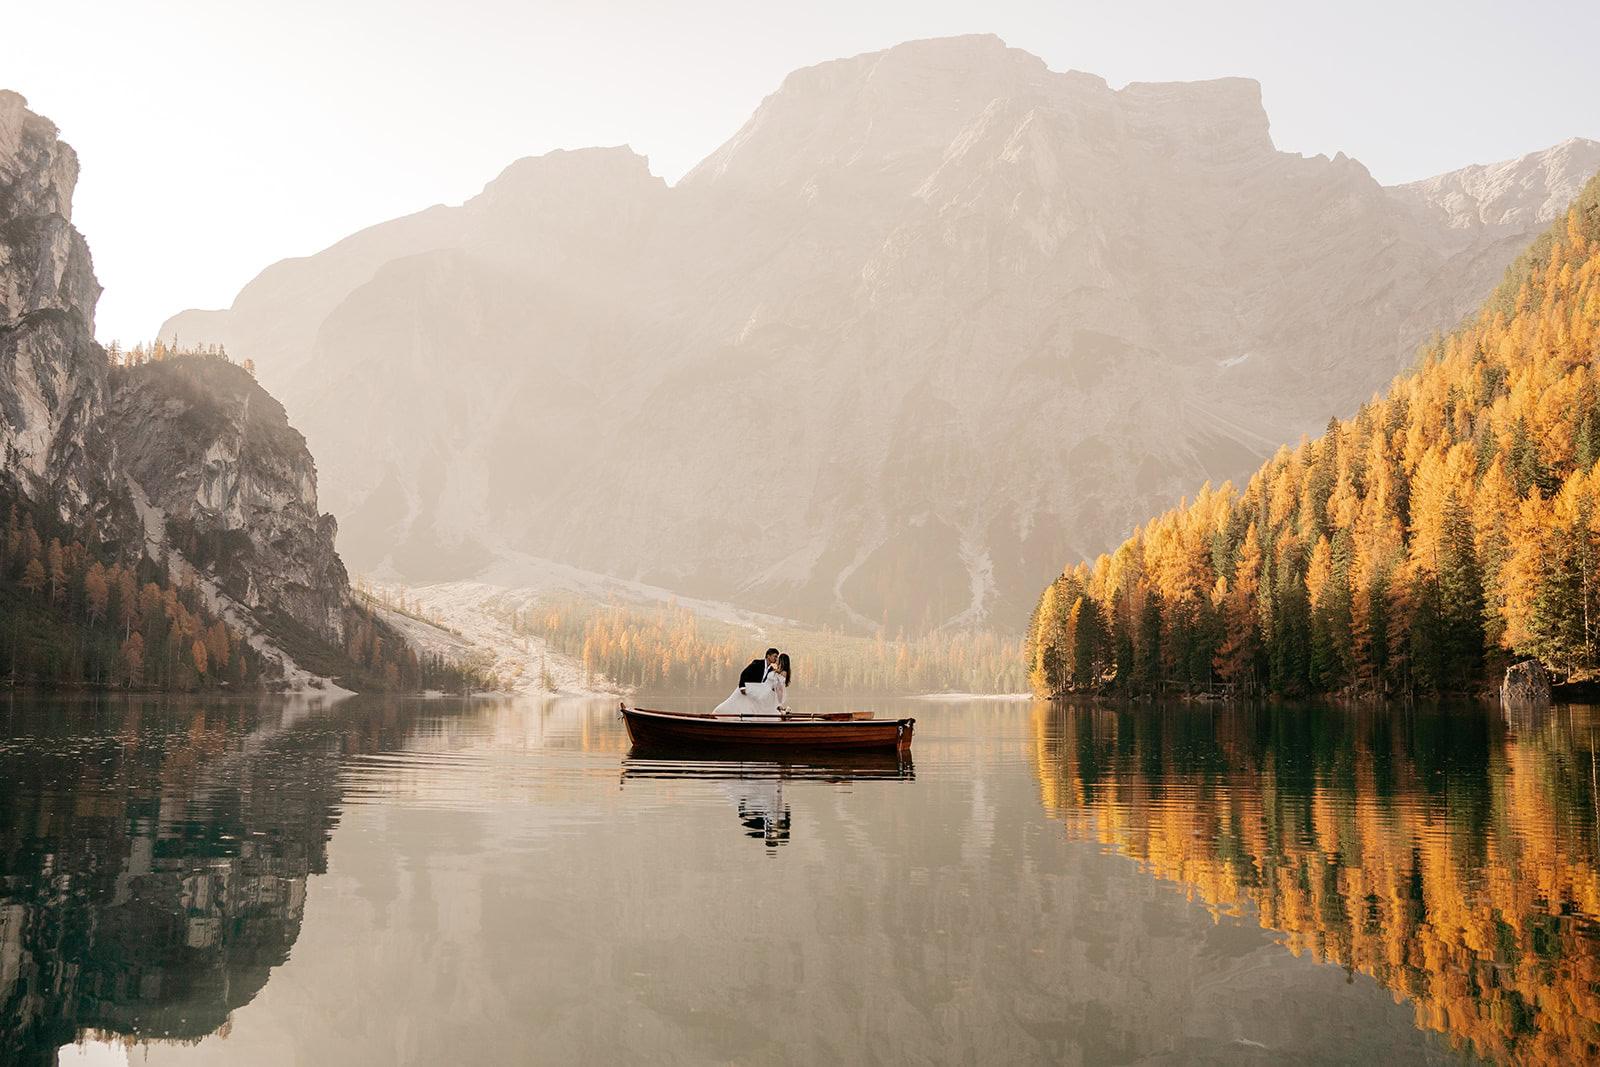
x: 1452, y: 857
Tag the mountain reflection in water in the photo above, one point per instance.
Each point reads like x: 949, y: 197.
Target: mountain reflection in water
x: 1452, y: 857
x: 502, y: 881
x: 154, y: 866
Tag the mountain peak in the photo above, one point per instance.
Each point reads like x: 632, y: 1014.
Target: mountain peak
x: 892, y: 112
x: 565, y: 171
x: 1212, y: 120
x: 1527, y: 191
x: 934, y: 54
x: 34, y: 163
x: 891, y: 116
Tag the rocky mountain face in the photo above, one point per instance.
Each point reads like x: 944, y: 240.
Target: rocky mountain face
x: 936, y: 322
x: 189, y: 457
x: 1522, y: 194
x: 213, y: 452
x: 52, y: 374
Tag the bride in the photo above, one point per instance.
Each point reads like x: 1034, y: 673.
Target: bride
x: 760, y: 698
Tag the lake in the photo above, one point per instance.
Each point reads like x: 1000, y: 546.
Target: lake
x: 502, y: 881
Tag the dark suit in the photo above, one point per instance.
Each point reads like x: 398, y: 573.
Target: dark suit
x: 756, y: 672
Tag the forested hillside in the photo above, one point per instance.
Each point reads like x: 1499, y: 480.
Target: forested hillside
x: 1446, y: 528
x: 73, y: 613
x: 77, y: 612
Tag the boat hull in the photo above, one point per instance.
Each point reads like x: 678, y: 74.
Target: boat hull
x: 661, y: 729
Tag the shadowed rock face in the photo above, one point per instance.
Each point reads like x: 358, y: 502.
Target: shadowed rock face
x: 936, y: 322
x: 202, y: 441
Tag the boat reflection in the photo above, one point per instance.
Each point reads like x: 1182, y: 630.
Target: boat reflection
x: 732, y: 763
x: 754, y: 780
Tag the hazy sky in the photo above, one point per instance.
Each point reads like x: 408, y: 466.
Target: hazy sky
x: 218, y: 136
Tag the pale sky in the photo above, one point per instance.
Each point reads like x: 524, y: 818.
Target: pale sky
x: 218, y: 136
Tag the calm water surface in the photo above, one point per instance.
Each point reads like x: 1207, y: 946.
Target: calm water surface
x: 504, y: 882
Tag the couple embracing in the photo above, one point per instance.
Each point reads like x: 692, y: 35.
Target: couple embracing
x: 762, y: 687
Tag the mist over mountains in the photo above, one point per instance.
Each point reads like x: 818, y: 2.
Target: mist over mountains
x: 934, y: 323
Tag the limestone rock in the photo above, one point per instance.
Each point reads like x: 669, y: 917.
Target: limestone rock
x: 1526, y: 685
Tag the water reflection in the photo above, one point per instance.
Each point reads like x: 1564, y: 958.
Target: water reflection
x: 754, y: 780
x: 154, y: 865
x: 509, y: 860
x: 1452, y: 857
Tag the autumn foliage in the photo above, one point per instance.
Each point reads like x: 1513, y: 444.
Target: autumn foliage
x: 1447, y: 527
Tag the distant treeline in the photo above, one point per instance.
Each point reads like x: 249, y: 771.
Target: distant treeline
x: 390, y: 663
x: 375, y: 657
x: 1448, y: 527
x: 668, y: 647
x: 158, y: 351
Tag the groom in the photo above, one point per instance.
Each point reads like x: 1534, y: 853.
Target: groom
x: 758, y: 669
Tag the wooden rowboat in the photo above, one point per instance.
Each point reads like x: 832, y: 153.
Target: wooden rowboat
x: 828, y: 730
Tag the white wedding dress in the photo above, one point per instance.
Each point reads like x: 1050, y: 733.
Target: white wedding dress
x: 758, y: 698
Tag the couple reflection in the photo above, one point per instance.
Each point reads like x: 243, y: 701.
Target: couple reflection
x: 754, y: 781
x: 762, y: 811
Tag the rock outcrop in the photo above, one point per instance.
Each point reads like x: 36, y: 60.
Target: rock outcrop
x: 937, y: 321
x: 187, y: 450
x: 1526, y: 686
x: 235, y: 485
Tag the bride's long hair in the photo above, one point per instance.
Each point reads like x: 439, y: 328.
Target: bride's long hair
x: 783, y: 665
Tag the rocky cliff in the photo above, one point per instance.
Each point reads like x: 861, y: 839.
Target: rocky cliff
x: 52, y: 374
x: 937, y: 321
x: 187, y: 458
x: 234, y: 484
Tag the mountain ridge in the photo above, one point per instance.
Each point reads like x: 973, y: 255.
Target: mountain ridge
x: 877, y: 291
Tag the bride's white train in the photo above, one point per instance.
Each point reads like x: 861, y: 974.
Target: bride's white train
x: 757, y: 698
